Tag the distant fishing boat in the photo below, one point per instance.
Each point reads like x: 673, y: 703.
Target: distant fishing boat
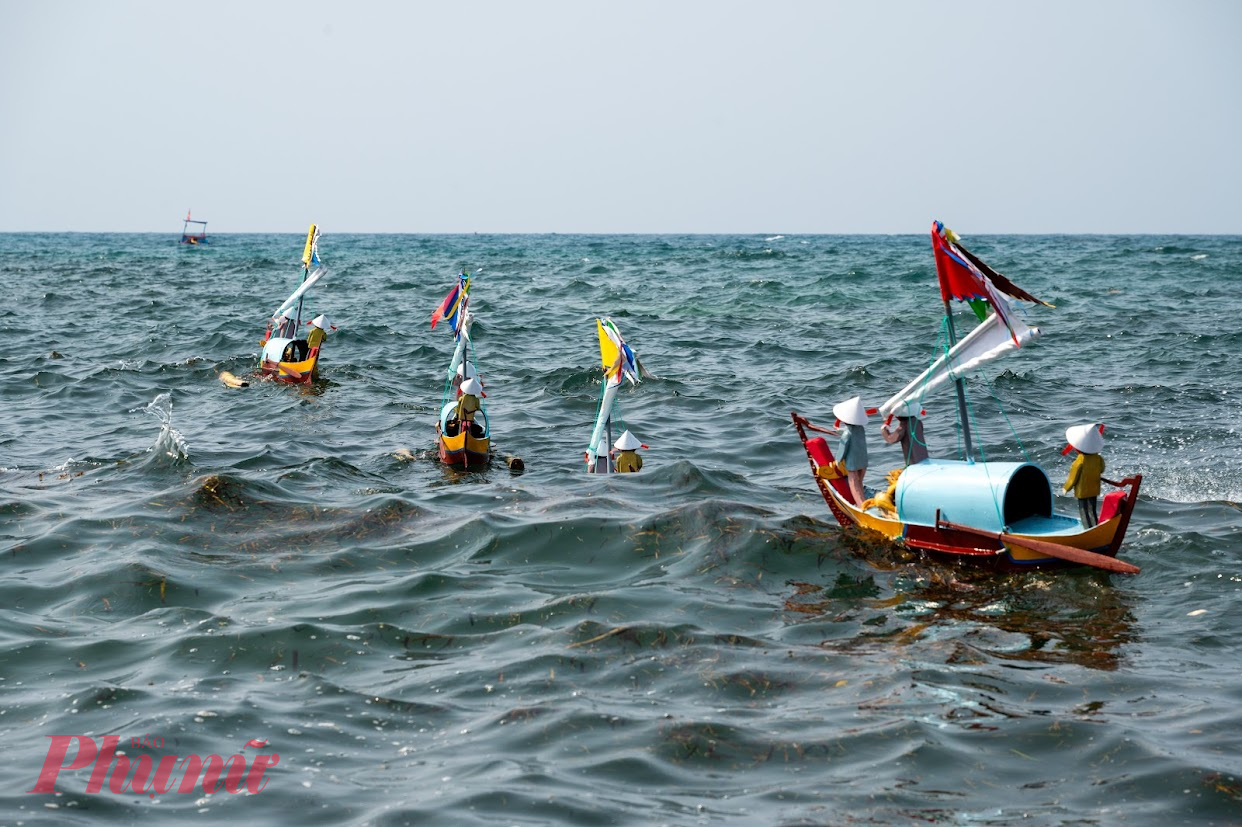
x: 620, y: 363
x: 463, y: 434
x: 189, y: 237
x: 287, y: 357
x: 980, y: 511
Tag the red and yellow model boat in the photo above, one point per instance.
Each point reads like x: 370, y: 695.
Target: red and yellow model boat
x: 999, y: 512
x: 995, y: 512
x: 463, y: 435
x: 289, y: 360
x: 286, y: 356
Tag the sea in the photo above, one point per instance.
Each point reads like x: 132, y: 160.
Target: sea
x: 288, y: 572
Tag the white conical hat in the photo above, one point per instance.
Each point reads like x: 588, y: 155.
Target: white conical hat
x: 627, y: 442
x: 471, y: 385
x: 466, y: 370
x: 910, y: 409
x: 321, y: 322
x: 1085, y: 438
x: 851, y: 411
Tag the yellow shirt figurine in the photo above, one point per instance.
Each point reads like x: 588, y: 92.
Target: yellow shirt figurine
x: 628, y: 459
x: 319, y: 331
x: 468, y: 403
x: 1086, y: 470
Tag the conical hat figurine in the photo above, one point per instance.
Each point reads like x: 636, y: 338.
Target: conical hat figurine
x: 907, y: 430
x: 851, y: 411
x: 911, y: 410
x: 1085, y: 474
x: 1086, y: 439
x: 628, y: 459
x: 316, y: 336
x: 468, y: 402
x: 853, y: 453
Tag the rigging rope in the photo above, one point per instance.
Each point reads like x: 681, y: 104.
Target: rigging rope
x: 1025, y: 454
x: 973, y: 422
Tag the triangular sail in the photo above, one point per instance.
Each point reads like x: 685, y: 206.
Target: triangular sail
x: 983, y: 344
x: 615, y: 355
x: 310, y: 256
x: 964, y: 277
x: 609, y: 350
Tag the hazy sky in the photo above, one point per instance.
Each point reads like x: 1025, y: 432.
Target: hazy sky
x: 1077, y: 116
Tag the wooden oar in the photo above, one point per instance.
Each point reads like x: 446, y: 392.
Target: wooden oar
x: 1063, y: 552
x: 232, y: 381
x: 291, y: 373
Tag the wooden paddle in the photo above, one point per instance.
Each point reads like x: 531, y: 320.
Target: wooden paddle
x: 232, y: 381
x: 291, y: 373
x: 1063, y: 552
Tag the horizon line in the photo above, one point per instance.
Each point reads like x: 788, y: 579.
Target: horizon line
x: 772, y: 235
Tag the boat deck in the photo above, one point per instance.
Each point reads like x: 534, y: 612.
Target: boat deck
x: 1056, y: 525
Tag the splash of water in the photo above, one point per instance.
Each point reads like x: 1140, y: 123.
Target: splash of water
x: 170, y: 442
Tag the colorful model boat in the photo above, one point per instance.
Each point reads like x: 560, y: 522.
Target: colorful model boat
x: 190, y: 237
x: 981, y: 511
x: 620, y: 363
x: 286, y: 357
x: 462, y: 430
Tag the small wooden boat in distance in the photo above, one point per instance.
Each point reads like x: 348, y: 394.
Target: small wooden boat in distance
x: 188, y: 236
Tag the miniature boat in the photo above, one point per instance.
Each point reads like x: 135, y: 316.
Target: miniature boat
x: 981, y: 511
x: 463, y: 434
x: 188, y: 237
x: 285, y: 356
x: 620, y: 363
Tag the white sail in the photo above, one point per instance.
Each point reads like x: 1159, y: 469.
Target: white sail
x: 595, y: 449
x: 288, y: 303
x: 983, y: 344
x: 463, y: 343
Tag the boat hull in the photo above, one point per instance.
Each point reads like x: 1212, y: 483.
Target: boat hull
x: 923, y: 530
x: 295, y: 371
x: 464, y: 450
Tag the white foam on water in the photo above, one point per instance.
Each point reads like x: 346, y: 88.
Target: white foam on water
x: 170, y: 442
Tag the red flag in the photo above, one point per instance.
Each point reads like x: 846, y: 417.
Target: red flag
x: 963, y: 279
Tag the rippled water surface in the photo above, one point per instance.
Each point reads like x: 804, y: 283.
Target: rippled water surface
x: 696, y: 644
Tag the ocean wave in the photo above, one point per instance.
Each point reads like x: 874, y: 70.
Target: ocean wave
x: 672, y: 645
